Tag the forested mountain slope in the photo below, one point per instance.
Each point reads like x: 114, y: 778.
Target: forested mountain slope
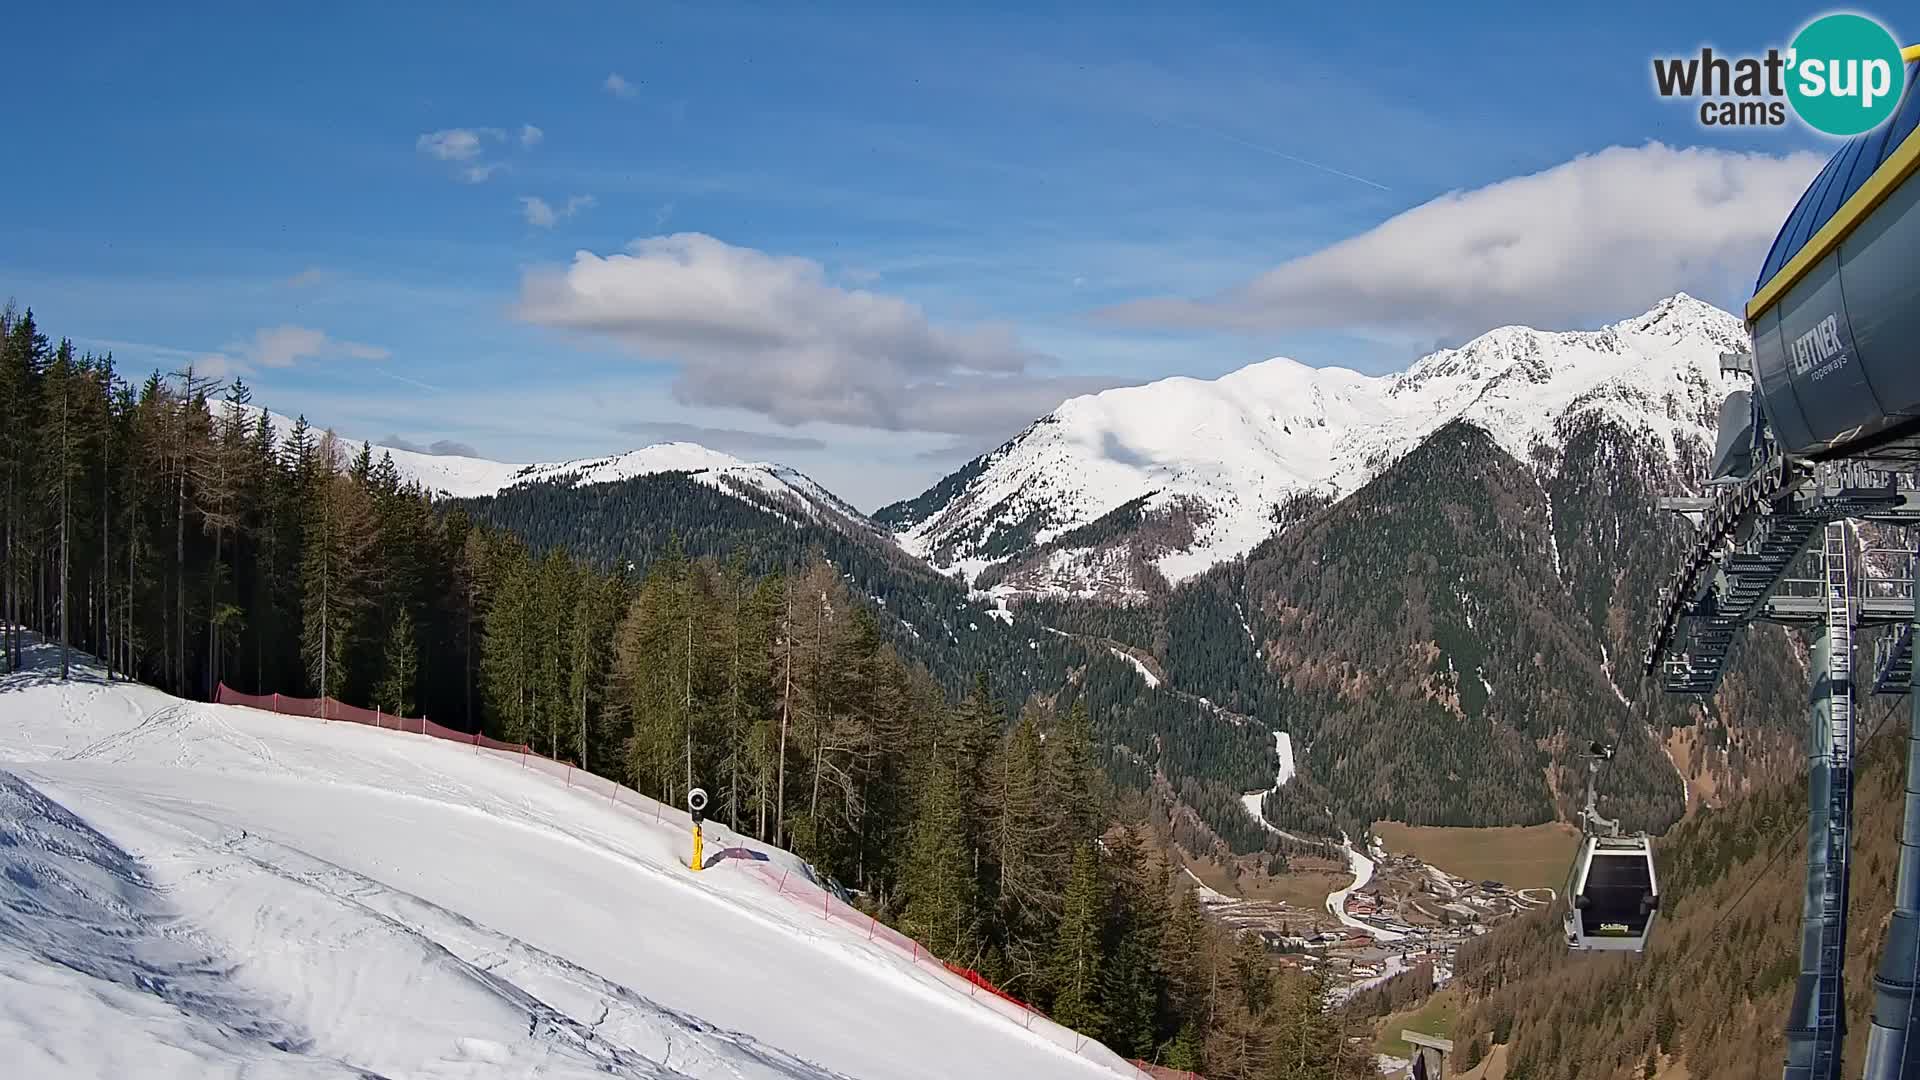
x: 1205, y: 757
x: 1709, y: 998
x: 1444, y: 643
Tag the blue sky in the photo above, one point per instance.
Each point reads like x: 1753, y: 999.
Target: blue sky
x: 869, y: 244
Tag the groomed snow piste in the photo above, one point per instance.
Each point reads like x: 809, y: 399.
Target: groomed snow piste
x: 194, y: 890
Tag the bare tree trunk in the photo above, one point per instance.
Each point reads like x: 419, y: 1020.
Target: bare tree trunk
x: 733, y: 717
x: 66, y: 646
x: 468, y: 679
x: 213, y: 615
x: 786, y: 713
x: 180, y: 560
x: 105, y: 634
x: 825, y: 718
x: 7, y: 570
x: 126, y: 610
x: 326, y: 567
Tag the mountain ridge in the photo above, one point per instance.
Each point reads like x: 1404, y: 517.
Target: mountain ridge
x: 768, y: 485
x: 1222, y: 455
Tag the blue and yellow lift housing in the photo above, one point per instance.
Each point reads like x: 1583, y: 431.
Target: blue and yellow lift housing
x: 1835, y: 315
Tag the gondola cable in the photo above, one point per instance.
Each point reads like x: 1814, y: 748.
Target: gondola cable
x: 1714, y: 930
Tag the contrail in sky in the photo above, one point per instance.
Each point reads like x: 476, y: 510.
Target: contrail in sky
x: 1237, y: 140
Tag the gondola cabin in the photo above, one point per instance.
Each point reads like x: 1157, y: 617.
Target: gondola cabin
x: 1614, y: 896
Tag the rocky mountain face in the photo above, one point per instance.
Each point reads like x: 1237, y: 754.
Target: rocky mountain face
x: 1115, y: 495
x: 1444, y: 644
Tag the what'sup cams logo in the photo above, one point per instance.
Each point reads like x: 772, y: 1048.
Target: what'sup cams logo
x: 1842, y: 75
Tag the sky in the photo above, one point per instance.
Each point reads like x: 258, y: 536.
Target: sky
x: 863, y: 243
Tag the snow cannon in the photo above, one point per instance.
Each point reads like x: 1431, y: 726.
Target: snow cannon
x: 697, y: 806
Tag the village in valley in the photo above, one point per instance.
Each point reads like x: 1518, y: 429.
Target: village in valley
x: 1397, y: 914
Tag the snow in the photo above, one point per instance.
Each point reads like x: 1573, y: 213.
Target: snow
x: 196, y: 890
x: 1206, y: 895
x: 1606, y: 668
x: 1553, y: 538
x: 1231, y: 448
x: 1153, y: 681
x: 1283, y: 746
x: 460, y: 477
x: 1362, y: 868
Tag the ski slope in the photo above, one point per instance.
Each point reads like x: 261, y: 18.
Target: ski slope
x: 1282, y: 746
x: 193, y: 890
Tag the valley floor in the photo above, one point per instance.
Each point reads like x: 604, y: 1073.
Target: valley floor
x: 204, y: 891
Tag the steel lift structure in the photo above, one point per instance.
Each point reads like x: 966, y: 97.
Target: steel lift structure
x: 1822, y: 453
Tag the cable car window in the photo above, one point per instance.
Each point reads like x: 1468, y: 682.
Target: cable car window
x: 1615, y: 894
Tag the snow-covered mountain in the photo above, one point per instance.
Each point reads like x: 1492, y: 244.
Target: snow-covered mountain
x: 1201, y: 467
x: 766, y: 484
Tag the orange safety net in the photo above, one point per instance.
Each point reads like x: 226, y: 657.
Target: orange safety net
x: 333, y: 709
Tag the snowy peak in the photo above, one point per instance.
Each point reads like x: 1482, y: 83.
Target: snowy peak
x: 771, y: 486
x: 1213, y: 459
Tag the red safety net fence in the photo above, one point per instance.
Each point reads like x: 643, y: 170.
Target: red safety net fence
x: 1161, y: 1072
x: 796, y: 887
x: 334, y: 709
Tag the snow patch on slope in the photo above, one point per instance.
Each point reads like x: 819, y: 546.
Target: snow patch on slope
x: 1152, y: 680
x: 1282, y: 746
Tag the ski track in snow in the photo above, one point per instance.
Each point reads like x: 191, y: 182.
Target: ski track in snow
x: 1283, y: 746
x: 196, y: 890
x: 1153, y: 681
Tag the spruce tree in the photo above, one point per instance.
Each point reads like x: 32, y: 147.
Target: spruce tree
x: 334, y: 580
x: 942, y: 906
x: 397, y: 687
x: 1022, y: 842
x: 1075, y: 969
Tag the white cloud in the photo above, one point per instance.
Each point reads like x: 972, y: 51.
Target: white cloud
x: 466, y: 147
x: 542, y: 214
x: 437, y: 448
x: 538, y: 213
x: 282, y: 347
x: 312, y: 275
x: 1594, y: 237
x: 618, y: 86
x: 453, y: 144
x: 773, y: 335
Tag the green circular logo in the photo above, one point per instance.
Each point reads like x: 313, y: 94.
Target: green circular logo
x: 1845, y: 74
